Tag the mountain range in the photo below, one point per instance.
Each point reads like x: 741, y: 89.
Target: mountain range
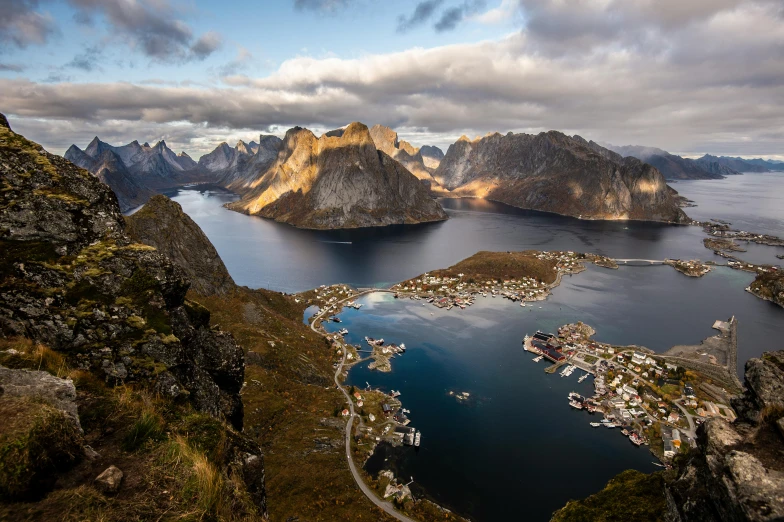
x: 554, y: 172
x: 340, y: 180
x: 357, y: 176
x: 675, y: 167
x: 135, y: 172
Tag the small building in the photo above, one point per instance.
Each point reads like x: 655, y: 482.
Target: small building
x: 669, y: 449
x: 630, y: 390
x: 360, y: 403
x: 345, y: 412
x: 371, y: 417
x: 387, y: 409
x: 638, y: 358
x: 673, y: 417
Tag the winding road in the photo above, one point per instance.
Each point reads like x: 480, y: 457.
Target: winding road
x: 387, y: 507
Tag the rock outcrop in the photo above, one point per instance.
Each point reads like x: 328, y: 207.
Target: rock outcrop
x: 553, y: 172
x: 736, y: 472
x: 337, y: 182
x: 73, y: 280
x: 671, y: 166
x: 162, y: 224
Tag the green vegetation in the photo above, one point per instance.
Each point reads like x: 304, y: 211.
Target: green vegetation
x: 631, y: 495
x: 36, y: 441
x: 148, y: 426
x: 484, y: 266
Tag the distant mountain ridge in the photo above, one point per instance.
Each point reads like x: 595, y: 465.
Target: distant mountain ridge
x: 135, y: 172
x: 554, y: 172
x: 742, y: 165
x: 671, y: 166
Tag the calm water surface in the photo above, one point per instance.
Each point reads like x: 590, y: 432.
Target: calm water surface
x: 520, y: 442
x: 262, y: 253
x: 519, y: 445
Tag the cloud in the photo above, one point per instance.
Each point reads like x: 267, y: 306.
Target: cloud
x: 86, y: 61
x: 207, y: 44
x: 452, y: 17
x: 149, y: 26
x: 422, y: 13
x: 22, y: 25
x: 680, y: 84
x: 321, y: 5
x: 11, y: 67
x: 243, y: 58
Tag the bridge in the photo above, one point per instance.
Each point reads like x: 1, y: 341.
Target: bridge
x: 640, y: 262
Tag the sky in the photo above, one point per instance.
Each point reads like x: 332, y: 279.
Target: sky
x: 688, y: 76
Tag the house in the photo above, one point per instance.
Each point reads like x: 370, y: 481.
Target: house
x: 630, y: 390
x: 345, y: 412
x: 688, y: 391
x: 676, y: 438
x: 371, y: 417
x: 673, y: 418
x: 617, y: 402
x: 360, y: 403
x: 386, y: 409
x: 669, y: 449
x: 357, y: 396
x: 638, y: 358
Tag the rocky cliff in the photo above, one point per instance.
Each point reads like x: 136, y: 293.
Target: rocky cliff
x: 386, y: 140
x: 162, y: 224
x: 671, y: 166
x: 135, y: 172
x: 338, y: 181
x: 553, y: 172
x: 737, y: 470
x: 93, y: 300
x: 432, y: 156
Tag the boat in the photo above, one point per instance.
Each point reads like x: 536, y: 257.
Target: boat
x: 583, y: 377
x: 575, y: 404
x: 336, y: 319
x: 343, y: 331
x: 522, y: 304
x: 575, y: 395
x: 609, y: 425
x: 417, y: 438
x: 596, y: 424
x: 537, y: 359
x: 395, y: 393
x: 402, y: 347
x: 625, y: 432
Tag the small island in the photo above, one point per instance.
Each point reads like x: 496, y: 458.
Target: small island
x: 692, y: 268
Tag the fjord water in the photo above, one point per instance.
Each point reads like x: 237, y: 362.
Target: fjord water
x: 262, y: 253
x: 518, y: 444
x: 519, y: 447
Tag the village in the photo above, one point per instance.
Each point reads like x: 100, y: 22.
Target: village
x: 444, y: 290
x: 649, y: 399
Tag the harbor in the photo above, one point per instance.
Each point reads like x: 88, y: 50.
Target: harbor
x: 635, y: 389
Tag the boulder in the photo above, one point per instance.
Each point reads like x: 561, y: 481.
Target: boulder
x: 109, y: 481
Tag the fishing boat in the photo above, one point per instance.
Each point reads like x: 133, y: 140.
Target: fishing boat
x: 343, y: 331
x: 575, y: 404
x: 394, y: 393
x: 417, y: 438
x: 609, y: 425
x: 596, y: 424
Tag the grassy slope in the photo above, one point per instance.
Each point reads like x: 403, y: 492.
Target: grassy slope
x: 290, y: 401
x: 484, y: 266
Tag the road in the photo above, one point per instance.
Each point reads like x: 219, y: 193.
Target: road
x: 387, y: 507
x: 692, y: 433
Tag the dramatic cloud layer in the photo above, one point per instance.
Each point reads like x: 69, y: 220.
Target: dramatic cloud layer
x: 150, y: 26
x: 21, y: 24
x: 707, y: 79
